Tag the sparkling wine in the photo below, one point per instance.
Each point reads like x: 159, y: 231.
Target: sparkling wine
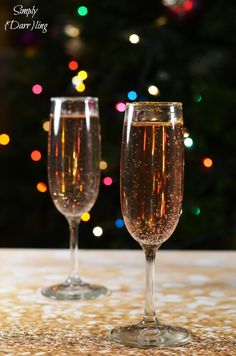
x: 74, y: 155
x: 152, y: 179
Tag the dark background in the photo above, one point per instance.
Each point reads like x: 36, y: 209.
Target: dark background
x: 187, y: 49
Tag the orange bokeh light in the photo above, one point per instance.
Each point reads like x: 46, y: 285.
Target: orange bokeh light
x: 207, y: 162
x: 73, y: 65
x: 36, y: 155
x: 42, y: 188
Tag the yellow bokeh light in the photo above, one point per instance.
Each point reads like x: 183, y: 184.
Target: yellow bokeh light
x: 134, y: 38
x: 103, y: 164
x: 30, y: 51
x: 82, y: 74
x: 161, y: 21
x: 80, y: 87
x: 46, y: 126
x: 153, y: 90
x: 186, y: 133
x: 71, y: 31
x: 4, y: 139
x: 85, y: 217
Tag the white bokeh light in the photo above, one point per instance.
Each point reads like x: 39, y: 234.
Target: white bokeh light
x: 97, y: 231
x: 134, y: 38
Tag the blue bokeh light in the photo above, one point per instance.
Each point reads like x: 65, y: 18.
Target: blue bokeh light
x: 119, y: 223
x: 132, y: 95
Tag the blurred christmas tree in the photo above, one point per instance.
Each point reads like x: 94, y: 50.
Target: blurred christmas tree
x: 180, y: 50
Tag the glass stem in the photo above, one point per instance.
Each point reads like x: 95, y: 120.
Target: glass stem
x: 73, y: 224
x: 150, y: 310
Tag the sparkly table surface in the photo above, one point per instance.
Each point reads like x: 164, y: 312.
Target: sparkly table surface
x: 196, y: 290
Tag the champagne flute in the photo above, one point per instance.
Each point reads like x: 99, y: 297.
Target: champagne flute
x: 74, y: 176
x: 152, y: 167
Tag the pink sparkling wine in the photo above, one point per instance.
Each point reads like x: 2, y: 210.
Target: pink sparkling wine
x: 73, y: 166
x: 152, y: 180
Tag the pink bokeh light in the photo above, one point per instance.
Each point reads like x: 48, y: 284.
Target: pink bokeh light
x: 37, y: 89
x: 107, y: 181
x: 120, y: 106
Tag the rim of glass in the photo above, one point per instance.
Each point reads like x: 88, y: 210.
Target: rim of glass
x: 155, y: 103
x: 74, y: 98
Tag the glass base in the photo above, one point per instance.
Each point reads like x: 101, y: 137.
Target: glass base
x: 151, y: 335
x: 75, y: 289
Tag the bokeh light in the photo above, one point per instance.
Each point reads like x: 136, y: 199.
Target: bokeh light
x: 120, y: 106
x: 4, y: 139
x: 169, y: 2
x: 73, y: 65
x: 80, y: 87
x: 31, y: 51
x: 188, y: 5
x: 195, y: 210
x: 36, y: 155
x: 46, y: 126
x: 82, y: 10
x: 85, y: 216
x: 107, y: 181
x: 179, y: 7
x: 41, y: 187
x: 83, y: 74
x: 71, y: 31
x: 37, y: 89
x: 188, y: 142
x: 207, y: 162
x: 153, y: 90
x: 186, y: 133
x: 119, y: 223
x: 103, y: 165
x: 132, y: 95
x: 198, y: 98
x: 161, y: 21
x: 76, y: 80
x: 97, y: 231
x: 134, y: 38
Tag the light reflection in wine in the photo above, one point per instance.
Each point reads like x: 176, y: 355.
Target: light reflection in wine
x: 163, y: 202
x: 63, y: 189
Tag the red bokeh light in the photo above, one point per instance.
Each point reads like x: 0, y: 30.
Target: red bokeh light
x: 188, y: 5
x: 73, y: 65
x: 36, y: 155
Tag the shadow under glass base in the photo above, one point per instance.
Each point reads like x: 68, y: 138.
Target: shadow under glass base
x: 151, y: 335
x: 75, y: 289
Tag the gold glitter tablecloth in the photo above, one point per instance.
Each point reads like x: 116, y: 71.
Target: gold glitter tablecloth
x: 194, y: 289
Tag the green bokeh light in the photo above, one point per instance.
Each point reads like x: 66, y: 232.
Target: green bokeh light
x: 195, y: 211
x: 82, y: 10
x: 198, y: 98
